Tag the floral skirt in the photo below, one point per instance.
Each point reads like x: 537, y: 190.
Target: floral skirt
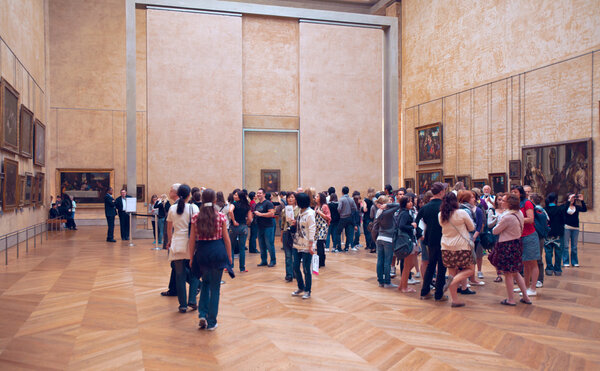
x: 457, y: 259
x: 507, y: 256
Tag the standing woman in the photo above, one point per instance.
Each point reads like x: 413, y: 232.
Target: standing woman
x: 322, y: 218
x: 456, y: 244
x: 253, y: 226
x: 507, y: 252
x: 531, y: 241
x: 241, y: 216
x: 210, y: 249
x: 160, y: 206
x: 288, y: 228
x: 179, y: 221
x: 356, y: 218
x: 365, y: 208
x: 335, y: 221
x: 407, y: 225
x: 152, y: 211
x: 496, y: 210
x: 304, y: 241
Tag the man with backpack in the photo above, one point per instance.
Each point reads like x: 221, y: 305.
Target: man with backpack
x: 555, y: 240
x: 542, y: 228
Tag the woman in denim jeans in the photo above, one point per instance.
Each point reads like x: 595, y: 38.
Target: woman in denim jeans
x: 241, y: 216
x: 288, y: 227
x: 576, y: 206
x: 385, y: 245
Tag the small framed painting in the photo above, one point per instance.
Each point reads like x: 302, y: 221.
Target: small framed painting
x: 450, y: 180
x: 39, y: 144
x: 409, y: 183
x: 270, y: 179
x: 498, y: 182
x: 478, y: 183
x: 9, y: 117
x: 514, y: 169
x: 28, y: 189
x: 10, y: 194
x: 465, y: 179
x: 426, y: 178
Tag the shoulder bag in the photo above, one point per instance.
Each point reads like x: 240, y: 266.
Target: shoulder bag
x: 469, y: 241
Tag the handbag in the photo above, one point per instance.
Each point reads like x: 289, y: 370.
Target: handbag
x: 403, y: 245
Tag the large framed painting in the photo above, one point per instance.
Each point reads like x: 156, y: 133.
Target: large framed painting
x: 28, y: 190
x: 465, y: 179
x: 514, y: 169
x: 270, y: 179
x: 563, y: 168
x: 39, y: 144
x: 450, y: 180
x: 498, y: 182
x: 10, y: 195
x: 429, y: 144
x: 478, y: 183
x: 426, y: 178
x: 9, y: 116
x: 409, y: 183
x: 26, y: 132
x: 87, y: 186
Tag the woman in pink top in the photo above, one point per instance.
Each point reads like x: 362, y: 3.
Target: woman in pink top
x: 509, y: 249
x: 457, y: 252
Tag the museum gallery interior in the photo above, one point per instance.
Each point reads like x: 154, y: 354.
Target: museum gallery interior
x: 289, y: 94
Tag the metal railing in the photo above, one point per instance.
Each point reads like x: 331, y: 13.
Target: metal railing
x: 39, y: 228
x: 583, y: 229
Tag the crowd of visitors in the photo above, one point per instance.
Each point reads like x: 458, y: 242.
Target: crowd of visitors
x: 450, y: 231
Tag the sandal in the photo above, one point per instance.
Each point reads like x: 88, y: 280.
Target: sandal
x: 498, y: 279
x: 505, y: 302
x: 525, y: 302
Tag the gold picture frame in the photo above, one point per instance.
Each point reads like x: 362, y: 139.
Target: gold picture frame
x: 87, y: 186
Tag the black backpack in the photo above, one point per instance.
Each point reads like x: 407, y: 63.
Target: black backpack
x: 541, y: 222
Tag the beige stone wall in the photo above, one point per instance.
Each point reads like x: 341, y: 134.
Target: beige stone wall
x: 500, y: 76
x: 23, y: 65
x: 340, y: 106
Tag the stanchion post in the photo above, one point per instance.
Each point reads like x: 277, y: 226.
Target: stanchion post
x: 130, y: 230
x: 17, y: 244
x: 6, y: 250
x: 27, y: 240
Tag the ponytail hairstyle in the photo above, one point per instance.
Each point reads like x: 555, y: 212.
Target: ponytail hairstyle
x: 449, y: 204
x: 220, y: 199
x: 206, y: 222
x: 183, y: 192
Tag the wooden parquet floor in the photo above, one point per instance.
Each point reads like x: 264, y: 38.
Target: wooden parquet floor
x: 76, y: 302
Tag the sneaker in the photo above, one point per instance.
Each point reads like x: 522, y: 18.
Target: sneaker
x: 468, y: 285
x: 480, y: 275
x: 212, y: 328
x: 539, y: 284
x: 202, y: 324
x: 549, y: 272
x: 427, y: 296
x: 393, y: 272
x: 262, y: 265
x: 530, y: 293
x: 306, y: 295
x: 390, y: 286
x: 354, y: 249
x: 557, y: 273
x: 576, y: 265
x: 566, y: 265
x: 468, y: 292
x: 298, y: 293
x: 413, y: 281
x: 418, y: 275
x: 359, y: 245
x: 516, y: 289
x: 443, y: 298
x: 326, y: 250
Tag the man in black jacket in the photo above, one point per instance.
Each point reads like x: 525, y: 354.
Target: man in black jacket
x: 121, y: 205
x: 110, y: 212
x: 433, y: 237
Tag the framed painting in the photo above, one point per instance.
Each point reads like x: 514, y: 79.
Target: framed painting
x: 10, y: 195
x: 514, y: 183
x: 466, y: 179
x: 28, y: 189
x: 514, y: 169
x: 140, y: 192
x: 270, y: 179
x: 450, y: 180
x: 478, y: 183
x: 429, y: 144
x: 39, y: 144
x: 1, y: 189
x: 88, y: 186
x: 409, y: 183
x: 426, y: 178
x: 26, y: 132
x: 498, y: 182
x: 563, y: 168
x: 38, y: 195
x: 21, y: 192
x: 9, y: 115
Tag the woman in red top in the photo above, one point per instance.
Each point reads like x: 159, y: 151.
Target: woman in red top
x: 210, y: 250
x: 531, y: 242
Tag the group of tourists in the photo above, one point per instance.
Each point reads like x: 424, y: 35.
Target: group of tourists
x: 449, y: 230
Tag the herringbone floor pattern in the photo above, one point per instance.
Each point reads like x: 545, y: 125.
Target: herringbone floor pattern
x: 76, y: 302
